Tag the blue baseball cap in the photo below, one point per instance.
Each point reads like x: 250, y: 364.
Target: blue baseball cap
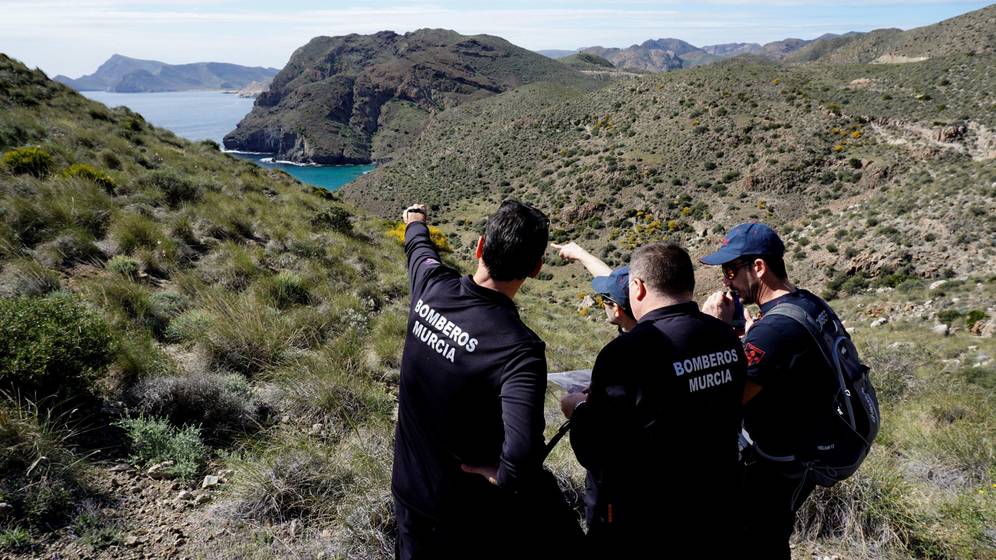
x: 747, y: 239
x: 615, y: 285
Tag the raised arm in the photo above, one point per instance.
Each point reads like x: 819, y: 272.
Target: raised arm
x: 574, y: 252
x: 421, y: 252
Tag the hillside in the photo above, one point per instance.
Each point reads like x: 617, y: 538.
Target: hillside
x: 973, y: 32
x: 179, y: 303
x: 362, y: 98
x: 684, y: 154
x: 131, y: 75
x: 198, y: 356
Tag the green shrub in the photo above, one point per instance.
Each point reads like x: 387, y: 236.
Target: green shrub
x: 110, y: 159
x: 949, y: 316
x: 123, y: 265
x: 335, y: 218
x: 155, y: 440
x: 88, y: 173
x: 974, y: 316
x: 286, y: 289
x: 14, y: 540
x: 981, y: 376
x: 188, y: 326
x: 52, y: 344
x: 222, y: 405
x: 133, y: 231
x: 29, y: 160
x: 46, y: 503
x: 139, y: 357
x: 175, y: 188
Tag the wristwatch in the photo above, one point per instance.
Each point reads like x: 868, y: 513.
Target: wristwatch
x: 577, y: 406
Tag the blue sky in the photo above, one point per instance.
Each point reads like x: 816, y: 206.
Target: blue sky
x: 74, y: 37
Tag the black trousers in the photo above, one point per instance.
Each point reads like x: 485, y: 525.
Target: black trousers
x: 537, y: 523
x: 422, y: 538
x: 771, y: 499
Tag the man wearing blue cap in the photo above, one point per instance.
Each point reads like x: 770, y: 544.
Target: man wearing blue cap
x: 788, y: 383
x: 612, y: 285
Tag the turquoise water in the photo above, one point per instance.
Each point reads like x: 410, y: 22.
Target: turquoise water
x: 210, y: 115
x: 328, y: 176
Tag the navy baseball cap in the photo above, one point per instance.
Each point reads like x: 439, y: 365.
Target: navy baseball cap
x: 747, y: 239
x: 615, y: 285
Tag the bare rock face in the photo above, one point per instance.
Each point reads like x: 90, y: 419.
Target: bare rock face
x: 337, y: 94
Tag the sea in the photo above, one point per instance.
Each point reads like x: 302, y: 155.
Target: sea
x: 210, y: 115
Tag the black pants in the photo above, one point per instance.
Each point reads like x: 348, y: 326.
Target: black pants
x: 422, y: 538
x: 771, y: 499
x: 537, y: 523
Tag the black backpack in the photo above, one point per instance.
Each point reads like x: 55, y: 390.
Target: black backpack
x: 854, y: 413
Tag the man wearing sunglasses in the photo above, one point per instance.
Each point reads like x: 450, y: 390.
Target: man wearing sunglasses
x: 788, y: 382
x: 611, y: 285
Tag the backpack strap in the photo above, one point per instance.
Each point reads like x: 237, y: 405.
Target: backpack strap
x: 798, y: 314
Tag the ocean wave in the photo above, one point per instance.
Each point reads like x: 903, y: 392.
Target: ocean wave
x: 246, y: 153
x: 285, y: 162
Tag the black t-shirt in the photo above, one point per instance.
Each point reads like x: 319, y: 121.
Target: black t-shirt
x: 660, y: 427
x: 473, y: 380
x: 797, y: 384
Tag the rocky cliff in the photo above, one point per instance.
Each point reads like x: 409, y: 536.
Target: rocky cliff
x: 362, y: 98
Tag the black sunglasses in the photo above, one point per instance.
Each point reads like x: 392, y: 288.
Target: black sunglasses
x: 730, y: 269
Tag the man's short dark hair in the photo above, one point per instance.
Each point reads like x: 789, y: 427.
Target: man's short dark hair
x: 515, y: 239
x: 665, y: 268
x: 775, y: 264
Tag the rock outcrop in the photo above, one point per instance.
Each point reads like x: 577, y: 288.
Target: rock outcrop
x: 361, y: 98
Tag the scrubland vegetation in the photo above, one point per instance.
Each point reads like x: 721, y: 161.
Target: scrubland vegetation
x: 168, y: 312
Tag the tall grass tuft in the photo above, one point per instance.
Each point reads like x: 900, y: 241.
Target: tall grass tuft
x: 247, y: 337
x: 294, y: 478
x: 39, y: 467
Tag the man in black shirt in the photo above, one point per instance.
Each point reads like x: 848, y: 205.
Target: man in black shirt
x: 659, y: 427
x: 469, y: 439
x: 789, y: 384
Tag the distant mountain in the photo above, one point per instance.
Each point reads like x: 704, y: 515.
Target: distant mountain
x: 131, y: 75
x: 586, y: 61
x: 360, y: 98
x: 557, y: 53
x: 658, y: 55
x: 973, y: 32
x: 662, y: 55
x: 733, y: 49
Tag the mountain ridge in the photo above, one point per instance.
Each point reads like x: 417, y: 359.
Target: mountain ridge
x: 124, y: 74
x: 361, y: 98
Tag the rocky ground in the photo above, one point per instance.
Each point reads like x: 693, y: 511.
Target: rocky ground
x: 138, y: 515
